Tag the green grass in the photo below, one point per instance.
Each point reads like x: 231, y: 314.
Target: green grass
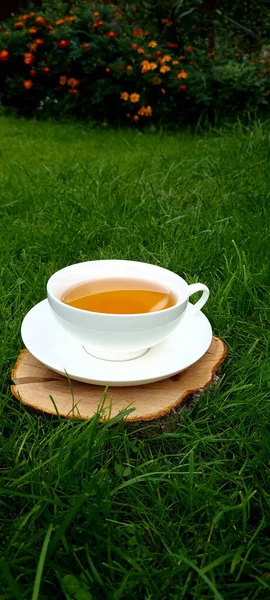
x: 182, y: 515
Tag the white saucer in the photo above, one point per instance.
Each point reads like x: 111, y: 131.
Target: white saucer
x: 57, y: 350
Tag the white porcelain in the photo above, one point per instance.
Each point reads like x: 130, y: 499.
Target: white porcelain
x: 112, y: 336
x: 56, y: 349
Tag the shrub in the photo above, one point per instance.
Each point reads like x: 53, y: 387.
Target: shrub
x: 93, y: 62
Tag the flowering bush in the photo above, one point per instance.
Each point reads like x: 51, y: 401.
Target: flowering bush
x: 92, y: 62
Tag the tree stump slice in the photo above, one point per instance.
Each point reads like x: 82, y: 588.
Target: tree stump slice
x: 35, y: 385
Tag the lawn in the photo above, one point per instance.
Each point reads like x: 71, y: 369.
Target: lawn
x: 179, y: 516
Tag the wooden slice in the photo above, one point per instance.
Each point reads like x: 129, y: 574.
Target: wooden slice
x: 37, y: 386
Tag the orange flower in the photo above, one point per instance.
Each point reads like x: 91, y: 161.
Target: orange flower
x: 6, y: 32
x: 134, y: 97
x: 124, y: 96
x: 172, y: 45
x: 28, y: 58
x: 32, y: 14
x: 39, y: 42
x: 107, y: 70
x: 98, y: 24
x: 26, y: 17
x: 140, y: 50
x: 96, y: 15
x: 63, y: 44
x: 136, y: 118
x: 50, y: 27
x: 73, y: 91
x: 156, y: 81
x: 33, y: 73
x: 175, y: 62
x: 166, y: 58
x: 40, y: 20
x: 73, y: 18
x: 237, y: 54
x: 144, y: 69
x: 63, y: 80
x: 211, y: 53
x: 182, y: 58
x: 32, y: 30
x: 137, y: 32
x: 111, y: 34
x: 18, y: 25
x: 145, y: 66
x: 164, y: 69
x: 163, y: 91
x: 189, y: 49
x: 182, y: 88
x: 33, y: 47
x: 46, y: 69
x: 129, y: 68
x: 152, y: 45
x: 60, y: 22
x: 28, y: 84
x: 182, y: 74
x: 145, y: 111
x: 85, y: 46
x: 148, y: 66
x: 128, y: 115
x: 164, y: 21
x: 73, y: 82
x: 4, y: 55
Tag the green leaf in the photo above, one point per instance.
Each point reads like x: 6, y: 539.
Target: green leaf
x: 71, y: 584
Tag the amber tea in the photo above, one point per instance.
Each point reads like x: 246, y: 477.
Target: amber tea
x: 119, y: 296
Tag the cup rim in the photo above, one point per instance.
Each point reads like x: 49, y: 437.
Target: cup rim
x: 115, y: 315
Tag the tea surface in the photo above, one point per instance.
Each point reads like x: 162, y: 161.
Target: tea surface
x: 119, y: 296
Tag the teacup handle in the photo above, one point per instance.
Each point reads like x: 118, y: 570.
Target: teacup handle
x: 192, y: 289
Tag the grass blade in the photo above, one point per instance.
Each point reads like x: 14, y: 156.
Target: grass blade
x: 41, y: 562
x: 192, y: 565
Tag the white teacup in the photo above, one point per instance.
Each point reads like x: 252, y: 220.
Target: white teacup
x: 120, y: 337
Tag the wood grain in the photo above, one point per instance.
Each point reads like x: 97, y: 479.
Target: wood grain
x: 35, y: 384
